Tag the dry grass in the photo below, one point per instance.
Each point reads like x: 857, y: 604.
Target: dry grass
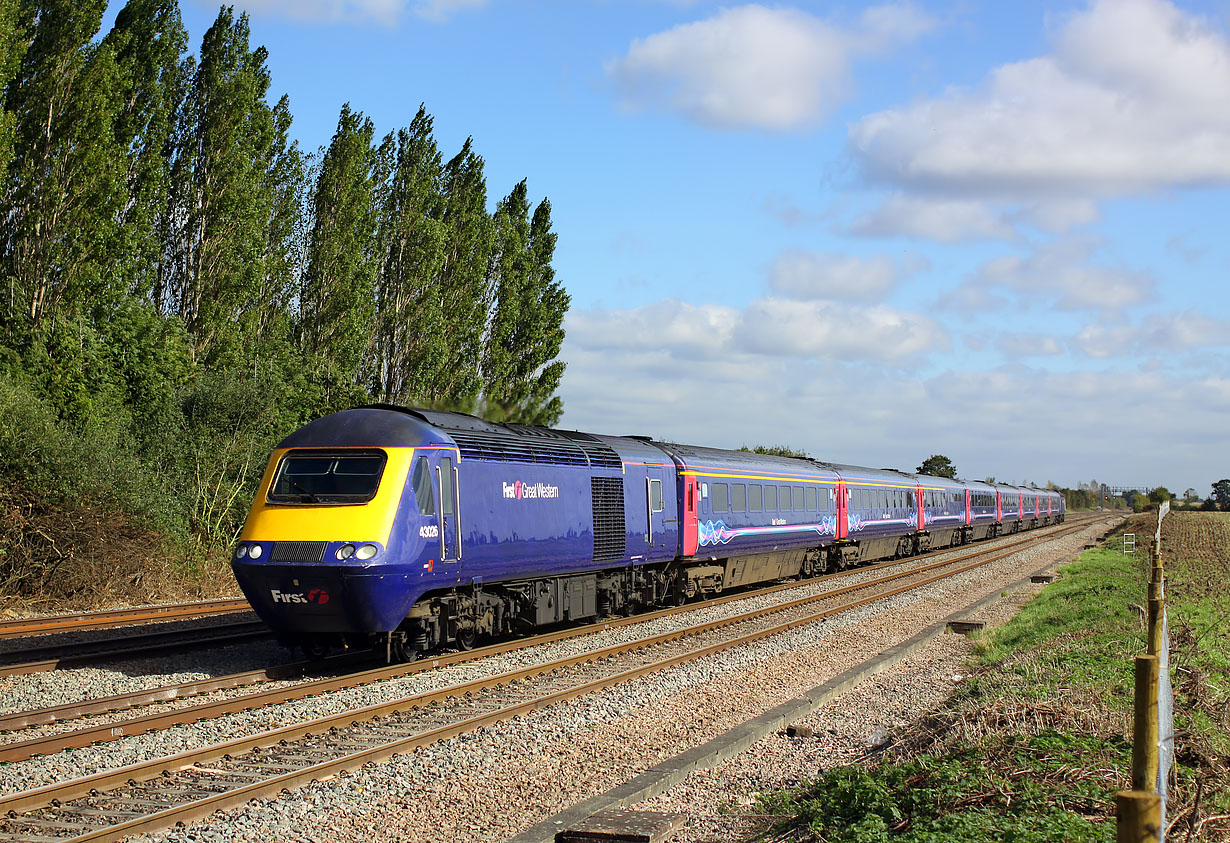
x: 82, y: 556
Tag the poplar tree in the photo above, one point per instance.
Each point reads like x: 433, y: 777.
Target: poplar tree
x: 149, y: 41
x: 286, y: 181
x: 13, y: 43
x: 455, y: 376
x: 520, y: 372
x: 338, y: 296
x: 65, y: 185
x: 221, y: 197
x: 412, y: 335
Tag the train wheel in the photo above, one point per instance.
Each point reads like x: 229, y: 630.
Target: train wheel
x: 316, y: 651
x: 402, y: 650
x: 465, y: 639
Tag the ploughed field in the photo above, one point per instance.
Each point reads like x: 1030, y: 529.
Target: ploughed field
x: 1198, y: 542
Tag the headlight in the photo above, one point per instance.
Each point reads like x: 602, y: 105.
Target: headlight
x: 345, y: 552
x: 241, y: 551
x: 366, y: 551
x: 254, y: 551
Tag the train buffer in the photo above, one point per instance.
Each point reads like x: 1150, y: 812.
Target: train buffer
x: 620, y: 825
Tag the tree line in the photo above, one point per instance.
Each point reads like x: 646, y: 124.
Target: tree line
x: 181, y: 283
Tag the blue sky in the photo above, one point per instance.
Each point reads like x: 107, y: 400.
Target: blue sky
x: 992, y: 230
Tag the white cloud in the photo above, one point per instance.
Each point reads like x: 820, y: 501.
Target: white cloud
x: 1018, y: 345
x: 769, y: 327
x: 989, y: 422
x: 945, y: 220
x: 381, y: 12
x: 1060, y: 272
x: 754, y: 66
x: 440, y: 10
x: 1134, y: 97
x: 685, y: 330
x: 831, y: 331
x: 1178, y: 331
x: 1105, y: 341
x: 822, y: 275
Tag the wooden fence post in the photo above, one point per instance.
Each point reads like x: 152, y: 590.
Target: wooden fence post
x: 1138, y: 817
x: 1144, y: 726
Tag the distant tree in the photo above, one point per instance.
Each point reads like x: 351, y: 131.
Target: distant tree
x: 1221, y: 493
x: 938, y: 465
x: 1160, y: 495
x: 776, y: 451
x: 1190, y: 495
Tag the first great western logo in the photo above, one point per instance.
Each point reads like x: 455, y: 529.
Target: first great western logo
x: 519, y: 490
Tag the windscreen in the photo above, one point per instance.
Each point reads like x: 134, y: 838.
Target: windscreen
x: 310, y: 476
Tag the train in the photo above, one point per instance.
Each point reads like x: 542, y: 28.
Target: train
x: 405, y: 530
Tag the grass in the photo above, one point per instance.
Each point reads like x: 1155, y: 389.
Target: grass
x: 1035, y: 746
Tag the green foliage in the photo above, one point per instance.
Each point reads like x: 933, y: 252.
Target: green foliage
x: 520, y: 373
x: 776, y: 451
x: 184, y: 287
x: 1085, y: 622
x: 955, y: 798
x: 937, y: 465
x: 339, y: 288
x: 13, y: 45
x: 1221, y: 493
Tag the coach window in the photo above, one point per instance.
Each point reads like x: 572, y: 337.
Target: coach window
x: 446, y: 485
x: 655, y: 495
x: 422, y: 487
x: 811, y: 497
x: 783, y: 495
x: 720, y: 497
x: 755, y: 497
x: 770, y: 497
x: 798, y: 497
x: 738, y: 497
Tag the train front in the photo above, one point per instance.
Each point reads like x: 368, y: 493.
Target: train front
x: 336, y: 548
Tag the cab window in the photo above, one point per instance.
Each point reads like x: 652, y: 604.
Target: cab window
x: 319, y: 476
x: 421, y: 481
x: 446, y: 485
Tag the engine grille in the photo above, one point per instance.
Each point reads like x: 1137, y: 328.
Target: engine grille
x: 609, y: 533
x: 298, y: 552
x: 555, y: 450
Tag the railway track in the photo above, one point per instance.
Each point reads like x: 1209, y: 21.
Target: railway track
x: 110, y: 618
x: 112, y: 729
x: 161, y: 792
x: 38, y: 658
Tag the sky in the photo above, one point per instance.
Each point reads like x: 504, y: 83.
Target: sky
x: 989, y: 230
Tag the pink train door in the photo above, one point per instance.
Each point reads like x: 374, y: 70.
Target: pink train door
x: 843, y: 526
x: 689, y: 500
